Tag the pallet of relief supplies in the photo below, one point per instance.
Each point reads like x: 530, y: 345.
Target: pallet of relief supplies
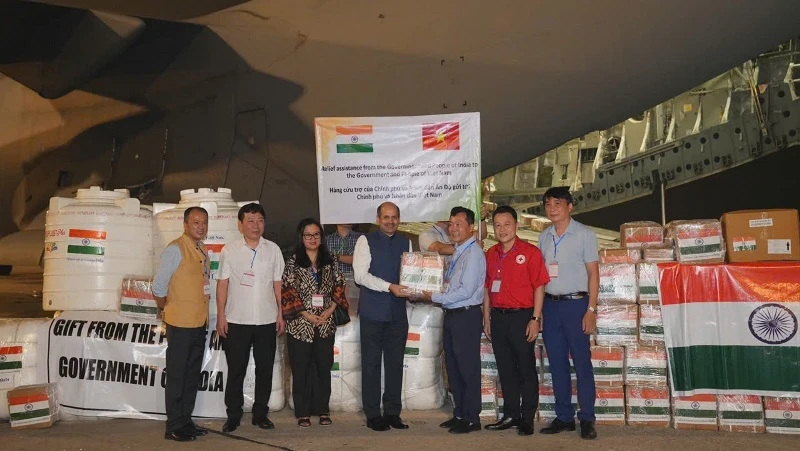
x: 33, y: 406
x: 617, y: 283
x: 695, y: 412
x: 782, y: 415
x: 697, y: 241
x: 137, y: 301
x: 651, y: 325
x: 609, y: 406
x: 646, y: 366
x: 422, y: 271
x: 608, y: 364
x: 647, y: 406
x: 741, y: 413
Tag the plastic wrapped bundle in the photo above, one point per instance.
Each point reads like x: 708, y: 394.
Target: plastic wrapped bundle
x: 697, y: 241
x: 425, y: 322
x: 741, y: 413
x: 538, y: 224
x: 609, y: 406
x: 782, y: 415
x: 547, y: 402
x: 608, y: 363
x: 647, y: 406
x: 651, y: 326
x: 648, y: 283
x: 617, y: 325
x: 641, y: 234
x: 646, y: 366
x: 423, y: 385
x: 695, y: 412
x: 620, y: 255
x: 422, y: 271
x: 346, y: 369
x: 277, y: 397
x: 33, y: 406
x: 658, y: 254
x: 617, y: 283
x: 547, y: 376
x: 137, y: 300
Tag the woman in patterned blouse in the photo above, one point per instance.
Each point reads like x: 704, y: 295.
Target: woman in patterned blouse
x: 312, y: 287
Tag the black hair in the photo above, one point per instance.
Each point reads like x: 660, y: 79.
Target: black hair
x: 388, y: 203
x: 189, y: 212
x: 300, y: 255
x: 558, y: 192
x: 469, y: 213
x: 505, y: 209
x: 252, y: 207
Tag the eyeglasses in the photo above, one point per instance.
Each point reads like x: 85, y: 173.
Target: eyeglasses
x: 311, y: 236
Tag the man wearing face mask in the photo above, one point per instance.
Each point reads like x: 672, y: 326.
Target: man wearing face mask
x: 248, y: 306
x: 181, y: 289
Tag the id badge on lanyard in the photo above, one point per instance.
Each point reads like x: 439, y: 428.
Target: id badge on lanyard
x: 317, y: 301
x: 248, y: 279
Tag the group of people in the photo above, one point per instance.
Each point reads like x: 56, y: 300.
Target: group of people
x: 509, y: 293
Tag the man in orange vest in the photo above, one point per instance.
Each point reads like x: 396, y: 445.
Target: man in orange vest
x: 182, y: 288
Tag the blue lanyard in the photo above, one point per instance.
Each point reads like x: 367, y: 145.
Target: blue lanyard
x: 453, y: 265
x: 556, y: 243
x: 502, y: 257
x: 316, y: 275
x: 255, y: 252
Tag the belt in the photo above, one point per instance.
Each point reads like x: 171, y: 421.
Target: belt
x: 461, y: 309
x: 510, y: 310
x: 568, y: 296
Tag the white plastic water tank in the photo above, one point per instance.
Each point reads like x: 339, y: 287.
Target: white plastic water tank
x: 91, y: 243
x: 223, y: 226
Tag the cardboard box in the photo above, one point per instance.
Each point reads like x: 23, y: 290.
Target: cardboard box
x: 741, y: 413
x: 761, y: 235
x: 137, y: 299
x: 609, y: 406
x: 538, y: 224
x: 618, y: 283
x: 33, y: 406
x: 422, y: 271
x: 782, y: 415
x: 659, y: 254
x: 651, y: 325
x: 647, y: 406
x: 646, y: 366
x: 620, y: 255
x: 640, y: 234
x: 695, y: 412
x: 699, y: 241
x: 617, y: 325
x: 608, y: 364
x: 647, y: 274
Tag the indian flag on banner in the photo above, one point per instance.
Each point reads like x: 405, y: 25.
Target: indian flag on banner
x: 30, y: 409
x: 88, y: 242
x: 10, y: 358
x: 732, y: 329
x: 354, y: 139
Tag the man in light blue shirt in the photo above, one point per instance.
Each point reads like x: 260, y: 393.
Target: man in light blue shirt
x: 463, y: 322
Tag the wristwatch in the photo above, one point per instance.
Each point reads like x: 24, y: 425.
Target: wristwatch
x: 592, y: 309
x: 538, y: 319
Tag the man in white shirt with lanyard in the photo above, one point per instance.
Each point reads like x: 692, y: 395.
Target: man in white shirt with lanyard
x: 248, y: 314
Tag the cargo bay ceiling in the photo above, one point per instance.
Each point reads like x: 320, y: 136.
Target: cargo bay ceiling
x: 539, y: 72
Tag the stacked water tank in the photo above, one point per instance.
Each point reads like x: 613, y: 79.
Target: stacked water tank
x: 91, y: 243
x: 223, y: 227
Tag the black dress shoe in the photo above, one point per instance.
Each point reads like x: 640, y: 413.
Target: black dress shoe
x: 525, y: 428
x: 464, y: 427
x: 503, y: 424
x: 588, y: 431
x: 377, y: 424
x: 450, y: 423
x: 558, y: 426
x: 179, y: 436
x: 198, y: 431
x: 395, y: 421
x: 230, y: 426
x: 264, y: 423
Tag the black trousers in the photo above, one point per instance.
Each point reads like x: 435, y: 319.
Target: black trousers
x: 311, y: 374
x: 462, y: 352
x: 516, y: 363
x: 241, y: 338
x: 185, y: 347
x: 387, y: 339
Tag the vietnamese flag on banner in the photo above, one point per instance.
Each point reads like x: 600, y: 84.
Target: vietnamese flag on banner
x: 443, y: 136
x: 732, y: 329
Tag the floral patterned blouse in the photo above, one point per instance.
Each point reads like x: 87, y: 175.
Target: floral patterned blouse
x: 297, y: 286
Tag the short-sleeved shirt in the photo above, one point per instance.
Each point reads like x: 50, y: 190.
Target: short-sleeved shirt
x: 521, y: 270
x: 343, y: 246
x: 256, y: 304
x: 572, y: 251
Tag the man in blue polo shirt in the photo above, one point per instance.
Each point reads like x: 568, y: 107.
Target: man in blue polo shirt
x: 569, y: 312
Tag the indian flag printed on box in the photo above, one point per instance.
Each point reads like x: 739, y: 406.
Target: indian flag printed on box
x: 354, y: 139
x: 782, y: 415
x: 647, y: 406
x: 609, y: 406
x: 138, y: 304
x: 422, y: 271
x: 730, y: 329
x: 29, y: 409
x: 412, y: 342
x: 87, y: 242
x: 617, y: 283
x: 547, y: 402
x: 608, y: 365
x: 648, y: 282
x: 547, y: 376
x: 698, y: 411
x: 741, y: 411
x: 645, y: 365
x: 617, y: 324
x: 10, y: 359
x: 651, y: 326
x: 697, y: 240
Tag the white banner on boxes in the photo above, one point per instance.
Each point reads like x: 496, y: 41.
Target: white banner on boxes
x: 111, y: 366
x: 424, y: 164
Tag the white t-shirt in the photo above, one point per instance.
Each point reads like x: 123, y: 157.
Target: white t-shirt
x: 251, y: 273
